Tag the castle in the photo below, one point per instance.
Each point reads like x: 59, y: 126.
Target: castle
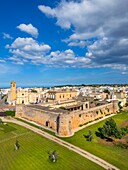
x: 66, y: 116
x: 63, y: 111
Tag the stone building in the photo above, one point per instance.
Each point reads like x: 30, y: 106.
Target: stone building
x: 23, y: 96
x: 12, y: 93
x: 64, y: 117
x: 61, y: 95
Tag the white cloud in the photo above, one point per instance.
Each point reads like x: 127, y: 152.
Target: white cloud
x: 125, y: 73
x: 101, y: 20
x: 77, y: 43
x: 27, y: 48
x: 30, y: 29
x: 7, y: 69
x: 65, y: 58
x: 7, y: 36
x: 2, y: 61
x: 47, y: 10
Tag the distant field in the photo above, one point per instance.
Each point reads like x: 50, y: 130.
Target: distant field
x: 33, y: 152
x: 108, y: 152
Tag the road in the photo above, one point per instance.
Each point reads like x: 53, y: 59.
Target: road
x: 74, y: 148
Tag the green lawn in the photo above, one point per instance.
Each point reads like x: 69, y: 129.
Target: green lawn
x: 110, y: 153
x: 33, y: 152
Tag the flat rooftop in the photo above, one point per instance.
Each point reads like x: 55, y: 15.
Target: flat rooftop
x: 61, y: 91
x: 49, y: 109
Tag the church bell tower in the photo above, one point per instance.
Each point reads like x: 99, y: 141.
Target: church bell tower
x: 13, y: 90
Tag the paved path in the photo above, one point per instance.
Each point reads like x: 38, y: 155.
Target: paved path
x: 76, y: 149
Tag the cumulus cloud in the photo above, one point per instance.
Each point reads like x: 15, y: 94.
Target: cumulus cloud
x: 7, y: 36
x: 2, y: 61
x: 63, y: 59
x: 30, y: 29
x: 27, y: 48
x: 101, y: 20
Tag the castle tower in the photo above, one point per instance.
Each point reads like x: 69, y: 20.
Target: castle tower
x: 64, y: 129
x: 13, y: 90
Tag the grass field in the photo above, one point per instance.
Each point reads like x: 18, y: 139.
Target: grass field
x: 108, y: 152
x: 33, y: 152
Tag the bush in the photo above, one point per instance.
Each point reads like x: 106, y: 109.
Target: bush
x: 119, y: 105
x: 53, y: 156
x: 109, y: 129
x: 124, y: 130
x: 89, y: 136
x: 80, y: 125
x: 10, y: 113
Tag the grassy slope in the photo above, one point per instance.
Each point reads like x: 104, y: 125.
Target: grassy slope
x: 33, y: 152
x: 112, y: 154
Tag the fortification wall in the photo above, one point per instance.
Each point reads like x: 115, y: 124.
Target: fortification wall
x: 64, y: 124
x: 39, y: 116
x: 84, y: 116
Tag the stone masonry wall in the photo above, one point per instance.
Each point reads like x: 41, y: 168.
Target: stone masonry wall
x: 64, y: 124
x: 36, y: 115
x: 84, y: 116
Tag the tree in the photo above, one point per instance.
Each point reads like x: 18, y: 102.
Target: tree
x: 53, y: 156
x: 17, y: 145
x: 119, y: 105
x: 106, y: 91
x: 109, y: 129
x: 89, y: 136
x: 34, y: 91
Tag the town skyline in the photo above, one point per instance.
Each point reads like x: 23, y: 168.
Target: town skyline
x: 46, y: 43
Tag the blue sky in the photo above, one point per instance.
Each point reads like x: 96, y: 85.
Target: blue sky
x: 63, y: 42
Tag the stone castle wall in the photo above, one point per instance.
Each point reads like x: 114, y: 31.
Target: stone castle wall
x: 65, y: 124
x: 84, y: 116
x: 39, y: 116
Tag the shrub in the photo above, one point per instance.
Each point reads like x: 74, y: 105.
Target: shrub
x: 53, y: 156
x: 10, y: 113
x: 80, y: 125
x: 109, y: 129
x: 89, y: 136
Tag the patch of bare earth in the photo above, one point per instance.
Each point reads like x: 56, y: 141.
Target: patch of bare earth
x: 124, y: 124
x: 105, y: 142
x: 123, y: 143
